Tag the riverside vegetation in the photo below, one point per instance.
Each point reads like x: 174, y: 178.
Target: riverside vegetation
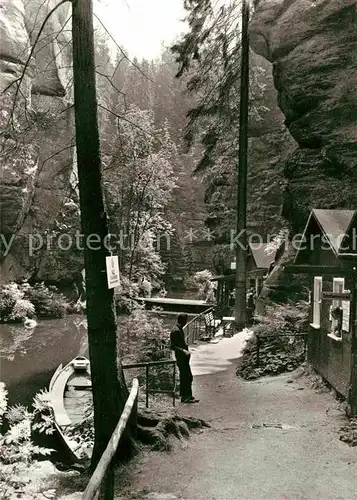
x: 18, y: 452
x: 277, y: 353
x: 21, y: 301
x: 143, y: 337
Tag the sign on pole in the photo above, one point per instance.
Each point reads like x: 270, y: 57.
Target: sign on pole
x: 113, y: 271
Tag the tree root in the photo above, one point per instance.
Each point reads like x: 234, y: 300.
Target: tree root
x: 156, y: 429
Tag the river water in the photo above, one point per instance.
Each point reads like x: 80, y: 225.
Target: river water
x: 29, y: 357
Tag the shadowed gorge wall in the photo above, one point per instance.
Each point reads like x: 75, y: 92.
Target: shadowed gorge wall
x: 312, y: 47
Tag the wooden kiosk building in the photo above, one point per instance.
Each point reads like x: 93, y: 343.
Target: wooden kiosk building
x: 327, y: 254
x: 259, y: 263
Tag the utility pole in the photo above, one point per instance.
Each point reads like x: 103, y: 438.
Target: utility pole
x: 108, y: 384
x: 241, y: 227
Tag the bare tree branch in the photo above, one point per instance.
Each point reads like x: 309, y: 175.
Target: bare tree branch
x: 114, y: 86
x: 122, y: 51
x: 55, y: 154
x: 121, y: 117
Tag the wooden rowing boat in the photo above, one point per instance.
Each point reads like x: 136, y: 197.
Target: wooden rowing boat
x: 71, y: 395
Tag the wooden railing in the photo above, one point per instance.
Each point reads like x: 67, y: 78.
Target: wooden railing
x: 102, y: 480
x: 149, y: 390
x: 196, y: 327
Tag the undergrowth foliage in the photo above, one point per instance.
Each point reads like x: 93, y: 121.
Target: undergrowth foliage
x: 202, y: 281
x: 277, y: 354
x: 21, y: 301
x: 143, y: 337
x: 18, y: 453
x: 283, y: 318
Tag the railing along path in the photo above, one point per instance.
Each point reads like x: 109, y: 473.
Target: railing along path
x: 149, y: 364
x: 194, y: 328
x: 102, y: 480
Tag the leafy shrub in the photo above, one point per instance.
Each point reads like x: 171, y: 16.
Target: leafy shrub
x: 9, y: 294
x: 21, y: 301
x: 14, y: 306
x: 277, y: 354
x: 145, y: 287
x: 48, y: 302
x: 17, y: 450
x: 21, y: 310
x: 144, y: 337
x: 125, y: 296
x: 204, y: 285
x: 283, y: 318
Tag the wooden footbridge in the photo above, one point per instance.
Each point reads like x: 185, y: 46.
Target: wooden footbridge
x: 176, y: 305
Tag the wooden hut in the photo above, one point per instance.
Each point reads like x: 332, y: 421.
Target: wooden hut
x: 224, y: 292
x: 327, y: 254
x: 260, y: 262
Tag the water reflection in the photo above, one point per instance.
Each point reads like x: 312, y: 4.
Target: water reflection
x: 28, y: 357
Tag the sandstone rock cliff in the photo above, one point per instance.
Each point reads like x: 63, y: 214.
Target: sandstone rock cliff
x: 312, y: 46
x: 37, y: 130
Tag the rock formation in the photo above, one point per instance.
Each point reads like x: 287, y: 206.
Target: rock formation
x: 37, y: 131
x: 312, y: 46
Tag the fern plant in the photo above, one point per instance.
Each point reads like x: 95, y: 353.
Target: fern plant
x: 18, y: 453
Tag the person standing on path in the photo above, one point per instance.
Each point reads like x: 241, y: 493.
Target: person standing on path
x: 182, y: 355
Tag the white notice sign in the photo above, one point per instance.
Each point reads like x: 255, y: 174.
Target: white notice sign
x: 113, y: 271
x: 346, y: 315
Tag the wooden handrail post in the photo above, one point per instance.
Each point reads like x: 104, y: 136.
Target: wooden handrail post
x: 134, y: 418
x: 107, y: 488
x: 147, y: 386
x: 174, y: 387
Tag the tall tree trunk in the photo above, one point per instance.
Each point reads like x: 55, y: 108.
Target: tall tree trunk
x: 241, y: 246
x: 109, y: 389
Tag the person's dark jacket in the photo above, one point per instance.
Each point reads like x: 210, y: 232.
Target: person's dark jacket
x: 178, y: 343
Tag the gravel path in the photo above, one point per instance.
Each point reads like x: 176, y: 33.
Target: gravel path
x: 275, y: 438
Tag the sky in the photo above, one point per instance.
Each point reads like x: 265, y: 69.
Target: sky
x: 142, y: 26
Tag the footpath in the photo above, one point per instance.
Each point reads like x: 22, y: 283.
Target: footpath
x: 274, y: 438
